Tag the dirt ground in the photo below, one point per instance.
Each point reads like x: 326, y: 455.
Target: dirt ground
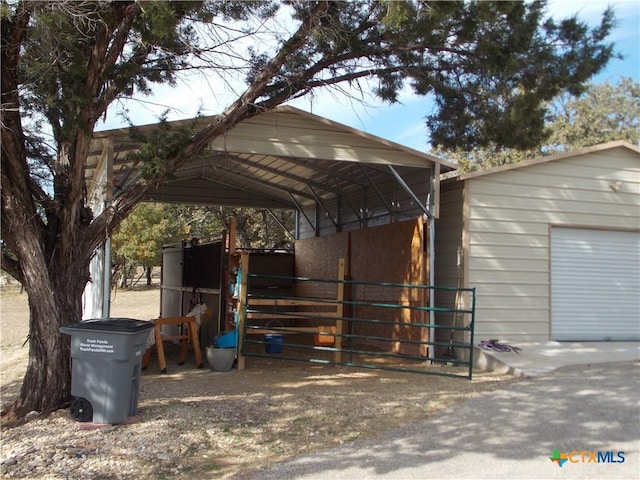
x: 272, y: 411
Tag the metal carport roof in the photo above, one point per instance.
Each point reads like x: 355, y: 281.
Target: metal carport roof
x: 284, y: 158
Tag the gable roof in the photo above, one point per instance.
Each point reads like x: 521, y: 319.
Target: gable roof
x: 284, y: 158
x: 550, y: 158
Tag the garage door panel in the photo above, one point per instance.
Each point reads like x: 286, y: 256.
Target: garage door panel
x: 595, y: 284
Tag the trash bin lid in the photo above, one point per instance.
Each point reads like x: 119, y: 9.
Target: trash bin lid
x: 113, y: 324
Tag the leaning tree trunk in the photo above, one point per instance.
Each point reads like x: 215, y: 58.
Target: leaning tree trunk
x: 53, y: 303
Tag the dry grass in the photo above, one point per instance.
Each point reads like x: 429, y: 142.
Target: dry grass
x: 269, y: 412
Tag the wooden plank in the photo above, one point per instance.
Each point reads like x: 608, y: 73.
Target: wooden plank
x: 173, y: 320
x: 282, y: 302
x: 282, y: 330
x: 291, y: 315
x: 232, y: 238
x: 162, y: 362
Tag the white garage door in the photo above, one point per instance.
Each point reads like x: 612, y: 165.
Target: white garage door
x: 595, y: 284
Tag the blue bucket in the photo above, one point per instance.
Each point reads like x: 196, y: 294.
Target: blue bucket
x: 226, y: 340
x: 273, y: 342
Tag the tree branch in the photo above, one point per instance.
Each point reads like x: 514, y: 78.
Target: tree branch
x: 244, y: 106
x: 95, y: 233
x: 12, y: 267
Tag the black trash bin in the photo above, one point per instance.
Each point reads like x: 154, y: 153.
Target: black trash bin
x: 106, y: 358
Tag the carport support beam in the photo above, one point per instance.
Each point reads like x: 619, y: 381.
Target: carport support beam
x: 407, y: 189
x: 300, y: 210
x: 432, y: 233
x: 324, y: 207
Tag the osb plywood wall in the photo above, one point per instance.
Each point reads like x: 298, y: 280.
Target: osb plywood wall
x: 318, y: 258
x: 391, y: 253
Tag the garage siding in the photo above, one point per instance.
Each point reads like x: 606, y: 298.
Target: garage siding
x: 510, y: 214
x: 448, y: 239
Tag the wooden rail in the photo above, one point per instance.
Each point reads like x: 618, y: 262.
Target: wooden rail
x: 303, y: 309
x: 301, y: 312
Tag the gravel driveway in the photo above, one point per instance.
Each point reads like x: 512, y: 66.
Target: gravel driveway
x: 508, y: 433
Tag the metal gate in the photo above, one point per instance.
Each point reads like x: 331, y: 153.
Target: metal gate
x: 373, y: 325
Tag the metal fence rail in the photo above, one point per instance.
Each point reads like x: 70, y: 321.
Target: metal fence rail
x: 375, y: 325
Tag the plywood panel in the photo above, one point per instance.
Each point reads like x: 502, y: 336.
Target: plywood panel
x: 391, y: 253
x: 394, y: 254
x: 318, y: 257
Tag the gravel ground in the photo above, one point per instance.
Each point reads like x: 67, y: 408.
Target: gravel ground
x: 219, y: 424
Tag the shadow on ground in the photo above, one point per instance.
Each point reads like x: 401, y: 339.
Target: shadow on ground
x: 584, y: 408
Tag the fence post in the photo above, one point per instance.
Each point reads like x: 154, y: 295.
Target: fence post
x: 472, y: 326
x: 337, y: 356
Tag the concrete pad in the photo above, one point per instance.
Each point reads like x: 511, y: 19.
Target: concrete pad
x: 538, y: 358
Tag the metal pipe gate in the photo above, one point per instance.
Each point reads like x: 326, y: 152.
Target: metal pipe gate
x: 354, y: 323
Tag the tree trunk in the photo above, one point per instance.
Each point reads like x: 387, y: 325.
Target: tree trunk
x: 149, y: 271
x: 54, y: 301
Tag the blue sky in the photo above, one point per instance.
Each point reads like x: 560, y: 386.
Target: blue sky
x: 404, y: 122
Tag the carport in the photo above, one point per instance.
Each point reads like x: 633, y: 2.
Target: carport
x: 337, y: 179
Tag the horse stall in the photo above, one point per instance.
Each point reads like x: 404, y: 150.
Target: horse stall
x: 361, y: 292
x: 198, y: 273
x: 375, y: 258
x: 365, y: 210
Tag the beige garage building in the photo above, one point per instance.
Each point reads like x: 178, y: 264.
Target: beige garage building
x: 552, y: 246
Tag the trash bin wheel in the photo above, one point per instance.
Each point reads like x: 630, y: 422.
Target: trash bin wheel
x: 81, y: 410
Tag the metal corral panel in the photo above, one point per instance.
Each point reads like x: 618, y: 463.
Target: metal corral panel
x: 595, y: 280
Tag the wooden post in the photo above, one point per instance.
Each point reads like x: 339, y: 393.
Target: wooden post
x: 232, y: 236
x: 242, y: 306
x: 337, y: 357
x: 228, y: 303
x: 425, y: 294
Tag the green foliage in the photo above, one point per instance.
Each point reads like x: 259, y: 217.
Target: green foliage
x: 603, y: 113
x: 262, y: 228
x: 139, y: 239
x: 489, y: 66
x: 508, y: 64
x: 63, y: 37
x: 255, y: 227
x: 160, y: 146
